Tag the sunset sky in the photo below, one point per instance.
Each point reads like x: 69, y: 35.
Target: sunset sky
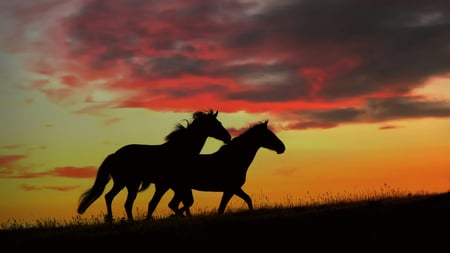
x: 358, y: 90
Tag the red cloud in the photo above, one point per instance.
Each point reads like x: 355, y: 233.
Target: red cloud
x: 28, y: 187
x: 6, y: 160
x: 61, y: 188
x: 9, y: 164
x: 74, y: 172
x: 112, y: 121
x: 67, y: 171
x: 285, y: 58
x: 69, y: 80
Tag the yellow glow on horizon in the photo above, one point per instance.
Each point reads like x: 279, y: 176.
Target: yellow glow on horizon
x: 436, y: 88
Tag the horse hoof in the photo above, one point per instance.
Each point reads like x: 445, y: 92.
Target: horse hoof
x: 177, y: 215
x: 108, y: 219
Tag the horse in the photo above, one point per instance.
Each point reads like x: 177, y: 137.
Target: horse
x: 131, y: 164
x: 224, y: 170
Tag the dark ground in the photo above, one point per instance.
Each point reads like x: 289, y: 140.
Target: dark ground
x: 405, y: 225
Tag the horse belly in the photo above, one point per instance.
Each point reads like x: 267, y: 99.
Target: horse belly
x: 214, y: 182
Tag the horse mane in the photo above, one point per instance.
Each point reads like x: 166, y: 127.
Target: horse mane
x: 245, y: 133
x: 180, y: 130
x: 252, y: 127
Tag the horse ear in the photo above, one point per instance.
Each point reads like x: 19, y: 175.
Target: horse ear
x: 266, y: 122
x: 215, y: 114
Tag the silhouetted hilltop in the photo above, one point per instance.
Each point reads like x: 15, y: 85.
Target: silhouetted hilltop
x: 407, y: 224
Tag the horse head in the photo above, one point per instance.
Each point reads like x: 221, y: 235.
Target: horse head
x: 211, y: 126
x: 268, y: 139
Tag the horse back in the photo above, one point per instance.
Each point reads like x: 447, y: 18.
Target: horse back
x: 155, y: 162
x: 134, y: 151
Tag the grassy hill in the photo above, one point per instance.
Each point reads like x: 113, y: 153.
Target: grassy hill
x: 403, y: 224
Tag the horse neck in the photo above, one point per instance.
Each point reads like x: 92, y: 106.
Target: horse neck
x: 193, y: 141
x: 196, y: 142
x: 244, y: 148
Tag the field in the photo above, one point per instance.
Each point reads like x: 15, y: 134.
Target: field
x: 401, y: 224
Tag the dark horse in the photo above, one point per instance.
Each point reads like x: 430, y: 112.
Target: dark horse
x: 130, y: 165
x: 224, y: 170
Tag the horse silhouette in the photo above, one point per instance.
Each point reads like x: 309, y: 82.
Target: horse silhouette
x: 222, y: 171
x: 133, y: 164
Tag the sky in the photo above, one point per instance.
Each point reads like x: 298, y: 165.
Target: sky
x: 358, y: 90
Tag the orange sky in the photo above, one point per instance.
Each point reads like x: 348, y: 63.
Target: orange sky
x: 358, y: 91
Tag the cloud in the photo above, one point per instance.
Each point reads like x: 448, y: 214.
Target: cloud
x: 61, y: 188
x: 13, y: 147
x: 112, y: 121
x: 67, y: 171
x: 15, y: 165
x: 10, y: 163
x: 6, y: 160
x: 388, y: 127
x: 285, y: 172
x: 74, y: 172
x: 373, y: 110
x: 236, y: 131
x: 406, y: 107
x: 28, y: 187
x: 326, y: 62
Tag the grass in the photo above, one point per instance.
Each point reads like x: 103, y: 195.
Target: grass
x: 378, y: 221
x: 262, y: 202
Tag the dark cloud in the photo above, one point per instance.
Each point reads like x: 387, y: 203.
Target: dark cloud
x: 292, y: 90
x: 388, y: 127
x: 336, y: 115
x: 188, y: 91
x: 405, y: 108
x: 171, y: 66
x: 173, y: 45
x: 398, y: 45
x: 375, y: 110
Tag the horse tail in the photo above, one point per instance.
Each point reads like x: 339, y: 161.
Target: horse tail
x: 103, y: 177
x: 145, y: 184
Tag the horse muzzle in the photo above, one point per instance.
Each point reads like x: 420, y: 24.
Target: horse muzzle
x: 281, y: 150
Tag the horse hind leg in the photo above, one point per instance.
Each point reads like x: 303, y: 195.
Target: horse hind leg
x: 160, y: 190
x: 132, y: 193
x: 187, y: 210
x: 188, y: 201
x: 174, y: 204
x: 240, y: 193
x: 109, y: 197
x: 184, y: 196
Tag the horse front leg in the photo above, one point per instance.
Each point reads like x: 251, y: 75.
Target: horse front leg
x: 224, y: 201
x: 185, y: 196
x: 240, y: 193
x: 160, y: 190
